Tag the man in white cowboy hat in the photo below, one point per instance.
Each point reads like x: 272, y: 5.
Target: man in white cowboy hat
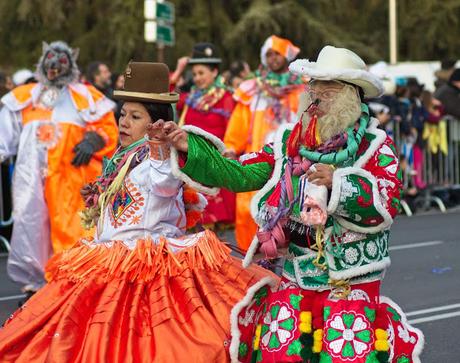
x: 329, y: 190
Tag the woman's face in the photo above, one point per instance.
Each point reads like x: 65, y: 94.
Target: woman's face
x: 133, y: 122
x: 203, y: 76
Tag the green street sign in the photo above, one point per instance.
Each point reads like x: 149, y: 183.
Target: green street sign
x: 165, y: 11
x: 165, y: 34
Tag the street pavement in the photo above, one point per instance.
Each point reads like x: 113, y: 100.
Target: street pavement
x: 424, y: 279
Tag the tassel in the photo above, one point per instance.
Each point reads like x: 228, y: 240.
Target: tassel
x: 293, y: 142
x: 311, y: 139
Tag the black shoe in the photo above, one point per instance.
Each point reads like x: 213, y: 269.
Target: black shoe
x: 29, y: 294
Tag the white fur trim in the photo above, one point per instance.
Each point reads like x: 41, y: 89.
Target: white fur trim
x: 335, y: 197
x: 371, y: 84
x: 175, y: 160
x: 236, y: 335
x: 358, y: 271
x: 375, y: 144
x: 250, y: 252
x: 421, y: 338
x: 279, y: 159
x: 210, y: 137
x: 185, y: 178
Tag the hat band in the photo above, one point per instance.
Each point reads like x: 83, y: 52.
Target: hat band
x: 204, y: 60
x: 165, y: 97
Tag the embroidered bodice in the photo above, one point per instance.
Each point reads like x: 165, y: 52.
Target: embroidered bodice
x: 149, y: 204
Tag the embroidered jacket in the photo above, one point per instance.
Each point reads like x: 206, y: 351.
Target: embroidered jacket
x: 362, y: 203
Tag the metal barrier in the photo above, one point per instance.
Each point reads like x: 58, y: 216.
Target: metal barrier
x: 441, y: 165
x: 4, y: 222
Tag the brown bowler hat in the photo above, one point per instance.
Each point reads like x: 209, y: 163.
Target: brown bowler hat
x: 146, y: 82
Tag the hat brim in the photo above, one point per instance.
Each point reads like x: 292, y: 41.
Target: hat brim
x: 371, y: 84
x: 204, y: 61
x: 171, y: 97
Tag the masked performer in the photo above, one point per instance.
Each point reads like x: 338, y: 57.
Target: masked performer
x: 329, y: 190
x: 60, y: 130
x: 140, y: 290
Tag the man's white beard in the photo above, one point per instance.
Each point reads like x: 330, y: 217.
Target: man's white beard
x: 339, y: 114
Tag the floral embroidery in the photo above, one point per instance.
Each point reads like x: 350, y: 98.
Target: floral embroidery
x: 126, y: 205
x: 348, y: 335
x: 351, y: 255
x: 403, y: 333
x: 372, y: 249
x: 48, y: 134
x: 278, y: 326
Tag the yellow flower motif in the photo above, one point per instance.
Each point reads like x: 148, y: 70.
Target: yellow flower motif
x: 257, y: 337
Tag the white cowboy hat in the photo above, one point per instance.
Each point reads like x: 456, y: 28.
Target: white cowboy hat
x: 342, y: 65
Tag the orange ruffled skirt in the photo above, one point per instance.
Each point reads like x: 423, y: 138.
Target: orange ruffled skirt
x: 112, y: 304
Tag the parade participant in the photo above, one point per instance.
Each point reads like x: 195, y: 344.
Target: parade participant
x: 208, y: 106
x: 329, y: 191
x: 263, y: 104
x: 60, y: 130
x: 140, y: 290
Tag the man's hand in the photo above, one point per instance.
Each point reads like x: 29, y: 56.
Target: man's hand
x: 321, y: 174
x: 176, y: 136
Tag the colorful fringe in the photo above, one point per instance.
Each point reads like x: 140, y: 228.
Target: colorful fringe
x: 144, y: 262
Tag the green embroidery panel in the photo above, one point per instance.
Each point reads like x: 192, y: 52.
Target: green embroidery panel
x: 357, y: 201
x: 299, y: 267
x: 361, y: 253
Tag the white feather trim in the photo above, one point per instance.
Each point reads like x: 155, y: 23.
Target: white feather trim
x: 357, y: 271
x: 175, y: 160
x: 380, y: 137
x: 250, y: 252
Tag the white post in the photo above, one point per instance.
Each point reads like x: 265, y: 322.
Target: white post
x: 393, y: 32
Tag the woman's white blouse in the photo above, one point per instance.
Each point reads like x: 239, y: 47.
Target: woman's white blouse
x: 150, y: 204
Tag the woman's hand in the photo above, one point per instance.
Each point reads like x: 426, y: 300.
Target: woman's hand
x: 176, y: 136
x: 321, y: 174
x: 156, y: 132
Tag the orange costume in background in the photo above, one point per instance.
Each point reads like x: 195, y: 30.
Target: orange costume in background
x: 263, y: 104
x: 46, y: 186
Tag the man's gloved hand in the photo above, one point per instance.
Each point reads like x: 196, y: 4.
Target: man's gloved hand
x: 85, y: 149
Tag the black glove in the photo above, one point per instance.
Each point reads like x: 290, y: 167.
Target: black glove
x: 85, y: 149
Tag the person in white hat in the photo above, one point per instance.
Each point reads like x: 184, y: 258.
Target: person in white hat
x: 22, y: 76
x: 329, y: 191
x: 263, y: 103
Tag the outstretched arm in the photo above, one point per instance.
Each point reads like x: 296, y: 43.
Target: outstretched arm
x: 201, y: 160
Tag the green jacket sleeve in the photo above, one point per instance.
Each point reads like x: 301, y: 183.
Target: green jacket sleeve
x: 207, y: 166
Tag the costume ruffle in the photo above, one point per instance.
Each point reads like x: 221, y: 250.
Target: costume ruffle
x: 108, y: 303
